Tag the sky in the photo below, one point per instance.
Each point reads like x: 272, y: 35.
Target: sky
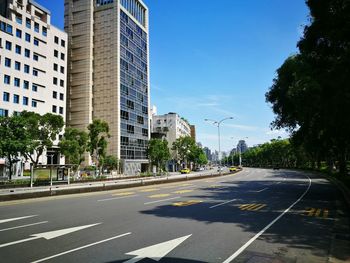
x: 217, y: 59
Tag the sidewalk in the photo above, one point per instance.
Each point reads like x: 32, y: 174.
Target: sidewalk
x: 83, y: 187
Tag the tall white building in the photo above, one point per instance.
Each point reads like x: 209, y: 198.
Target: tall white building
x: 109, y: 74
x: 33, y: 59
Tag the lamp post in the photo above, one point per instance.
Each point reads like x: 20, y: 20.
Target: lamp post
x: 217, y: 124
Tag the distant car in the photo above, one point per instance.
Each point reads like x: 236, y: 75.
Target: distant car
x: 233, y: 169
x: 185, y: 171
x: 200, y: 169
x: 220, y: 169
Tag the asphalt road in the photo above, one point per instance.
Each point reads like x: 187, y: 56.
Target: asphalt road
x: 256, y: 215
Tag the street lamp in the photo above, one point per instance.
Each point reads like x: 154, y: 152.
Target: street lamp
x: 217, y: 124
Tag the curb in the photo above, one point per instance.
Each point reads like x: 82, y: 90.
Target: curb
x: 104, y: 187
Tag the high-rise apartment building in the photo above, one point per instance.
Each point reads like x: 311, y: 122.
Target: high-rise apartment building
x: 108, y: 74
x: 33, y: 62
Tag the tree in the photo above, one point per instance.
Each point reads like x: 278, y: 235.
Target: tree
x: 42, y: 130
x: 111, y: 162
x: 98, y: 134
x: 197, y: 155
x: 158, y: 153
x: 14, y: 139
x: 73, y: 146
x: 311, y: 95
x: 183, y: 147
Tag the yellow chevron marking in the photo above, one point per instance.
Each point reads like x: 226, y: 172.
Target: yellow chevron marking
x: 183, y: 191
x: 159, y: 195
x: 149, y: 190
x: 123, y: 193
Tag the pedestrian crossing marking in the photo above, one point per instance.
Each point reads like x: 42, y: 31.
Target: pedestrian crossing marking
x: 149, y: 190
x: 251, y: 207
x: 316, y: 212
x: 123, y: 194
x: 187, y: 203
x: 183, y: 191
x: 159, y: 195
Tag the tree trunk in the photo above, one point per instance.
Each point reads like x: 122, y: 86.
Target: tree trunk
x: 10, y: 168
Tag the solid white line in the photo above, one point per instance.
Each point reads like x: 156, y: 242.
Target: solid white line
x: 259, y: 191
x: 229, y: 201
x: 10, y: 228
x: 16, y: 218
x: 79, y: 248
x: 158, y: 201
x: 18, y: 241
x: 239, y: 251
x: 116, y: 198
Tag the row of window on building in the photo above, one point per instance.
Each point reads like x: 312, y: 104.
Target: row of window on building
x: 25, y: 102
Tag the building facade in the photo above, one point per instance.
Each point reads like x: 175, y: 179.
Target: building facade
x: 173, y: 127
x: 33, y: 61
x: 242, y: 146
x: 108, y: 73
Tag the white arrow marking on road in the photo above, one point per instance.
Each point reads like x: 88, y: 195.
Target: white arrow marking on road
x: 49, y: 235
x: 14, y: 219
x: 156, y: 252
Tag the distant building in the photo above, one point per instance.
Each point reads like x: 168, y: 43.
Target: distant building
x: 173, y: 126
x: 207, y: 152
x: 242, y: 146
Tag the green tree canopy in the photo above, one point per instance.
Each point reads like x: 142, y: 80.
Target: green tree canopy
x: 158, y: 152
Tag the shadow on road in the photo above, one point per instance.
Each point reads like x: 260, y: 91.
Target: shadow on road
x: 299, y: 228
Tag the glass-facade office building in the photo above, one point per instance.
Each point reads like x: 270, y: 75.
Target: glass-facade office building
x: 109, y: 74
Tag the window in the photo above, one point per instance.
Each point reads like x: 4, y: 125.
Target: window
x: 130, y: 104
x: 56, y: 40
x: 61, y: 110
x: 19, y: 20
x: 34, y: 103
x: 63, y: 43
x: 129, y: 33
x: 54, y: 108
x: 55, y: 81
x: 36, y: 57
x: 18, y: 33
x: 26, y: 68
x: 124, y: 115
x: 16, y: 82
x: 16, y: 99
x: 4, y: 113
x: 25, y: 101
x: 124, y: 89
x: 144, y: 110
x: 130, y: 129
x: 7, y: 79
x: 34, y: 87
x: 8, y: 45
x: 61, y: 96
x: 8, y: 62
x: 17, y: 65
x: 144, y: 132
x: 62, y: 56
x: 55, y: 52
x: 55, y: 67
x: 26, y: 84
x: 62, y: 83
x: 44, y: 31
x: 62, y: 70
x: 36, y: 27
x: 36, y: 42
x: 27, y: 53
x: 35, y: 72
x: 140, y: 120
x: 28, y: 23
x: 6, y: 96
x: 8, y: 29
x: 54, y: 94
x: 130, y: 56
x: 124, y: 40
x: 18, y: 50
x: 27, y: 37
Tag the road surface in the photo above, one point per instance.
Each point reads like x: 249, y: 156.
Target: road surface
x: 257, y: 215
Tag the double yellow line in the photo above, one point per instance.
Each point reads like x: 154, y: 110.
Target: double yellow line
x: 252, y: 207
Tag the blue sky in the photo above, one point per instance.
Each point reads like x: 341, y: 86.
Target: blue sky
x: 214, y: 59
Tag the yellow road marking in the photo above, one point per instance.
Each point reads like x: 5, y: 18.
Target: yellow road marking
x: 149, y: 190
x: 123, y: 193
x: 183, y: 191
x: 252, y: 207
x: 310, y: 211
x: 159, y: 195
x: 187, y: 203
x: 185, y: 184
x: 318, y: 212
